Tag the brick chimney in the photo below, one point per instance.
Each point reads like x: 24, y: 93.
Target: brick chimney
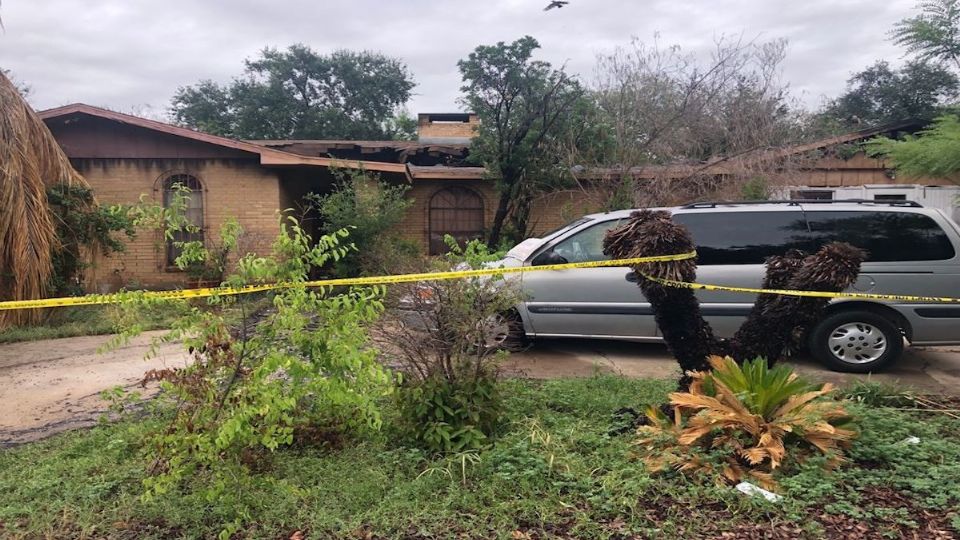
x: 446, y: 128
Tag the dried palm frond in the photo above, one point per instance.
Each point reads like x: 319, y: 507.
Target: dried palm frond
x: 744, y: 422
x: 30, y: 162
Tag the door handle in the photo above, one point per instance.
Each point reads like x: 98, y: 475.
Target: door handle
x: 631, y: 277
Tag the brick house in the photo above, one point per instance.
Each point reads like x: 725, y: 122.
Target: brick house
x: 124, y: 157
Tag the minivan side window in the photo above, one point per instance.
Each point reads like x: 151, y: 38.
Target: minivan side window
x: 886, y: 236
x: 745, y: 237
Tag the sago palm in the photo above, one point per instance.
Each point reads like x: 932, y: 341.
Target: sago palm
x: 745, y: 421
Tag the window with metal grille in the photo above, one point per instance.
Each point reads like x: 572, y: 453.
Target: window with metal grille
x: 455, y: 211
x: 193, y: 212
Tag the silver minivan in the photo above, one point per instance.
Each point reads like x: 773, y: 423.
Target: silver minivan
x: 911, y: 251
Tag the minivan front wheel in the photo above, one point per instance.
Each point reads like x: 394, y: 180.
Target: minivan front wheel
x: 504, y: 331
x: 856, y: 341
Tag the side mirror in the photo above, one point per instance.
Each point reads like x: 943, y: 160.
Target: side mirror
x: 547, y: 258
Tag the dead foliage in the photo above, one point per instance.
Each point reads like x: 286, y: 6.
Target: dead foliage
x: 744, y: 430
x: 30, y: 162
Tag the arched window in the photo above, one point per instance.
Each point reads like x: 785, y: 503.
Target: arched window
x: 193, y: 212
x: 455, y: 211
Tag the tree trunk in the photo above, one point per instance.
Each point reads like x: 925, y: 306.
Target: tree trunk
x: 768, y: 330
x: 520, y: 217
x: 498, y: 219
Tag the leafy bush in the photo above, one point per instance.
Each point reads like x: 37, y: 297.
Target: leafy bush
x: 371, y: 210
x: 305, y: 371
x: 209, y: 262
x: 446, y: 338
x: 737, y: 422
x: 84, y: 228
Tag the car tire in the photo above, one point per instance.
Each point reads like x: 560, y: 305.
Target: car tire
x: 856, y: 341
x: 508, y: 333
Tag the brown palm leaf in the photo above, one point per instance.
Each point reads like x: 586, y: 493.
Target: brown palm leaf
x: 30, y: 162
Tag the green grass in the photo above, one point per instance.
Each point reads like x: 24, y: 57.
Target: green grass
x: 553, y: 472
x: 98, y: 320
x: 82, y: 321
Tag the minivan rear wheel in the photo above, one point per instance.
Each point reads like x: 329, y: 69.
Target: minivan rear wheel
x: 856, y: 341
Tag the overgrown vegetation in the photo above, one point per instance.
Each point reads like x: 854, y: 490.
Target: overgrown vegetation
x: 85, y: 230
x: 371, y: 210
x: 302, y: 373
x: 553, y: 471
x: 446, y: 338
x: 32, y: 163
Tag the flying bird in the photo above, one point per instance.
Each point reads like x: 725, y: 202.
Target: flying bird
x: 556, y: 4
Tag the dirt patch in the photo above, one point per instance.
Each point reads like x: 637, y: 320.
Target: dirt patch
x: 54, y: 385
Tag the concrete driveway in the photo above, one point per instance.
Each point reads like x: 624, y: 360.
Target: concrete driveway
x: 933, y: 370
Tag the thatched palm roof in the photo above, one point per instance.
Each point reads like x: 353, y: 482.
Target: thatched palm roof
x: 30, y: 162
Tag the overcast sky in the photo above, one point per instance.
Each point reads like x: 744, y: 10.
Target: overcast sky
x: 131, y: 55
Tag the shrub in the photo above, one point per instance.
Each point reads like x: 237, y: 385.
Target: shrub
x: 371, y: 210
x: 84, y: 230
x: 303, y: 371
x: 209, y: 262
x: 744, y: 422
x: 444, y: 337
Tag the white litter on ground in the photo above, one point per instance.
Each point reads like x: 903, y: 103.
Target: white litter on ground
x: 749, y: 489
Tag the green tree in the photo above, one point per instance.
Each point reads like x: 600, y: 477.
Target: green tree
x: 934, y: 34
x: 524, y: 107
x: 402, y: 126
x: 371, y: 210
x: 881, y: 95
x: 299, y: 94
x: 935, y: 151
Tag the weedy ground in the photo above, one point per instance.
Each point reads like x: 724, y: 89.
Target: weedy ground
x: 558, y: 469
x: 81, y: 321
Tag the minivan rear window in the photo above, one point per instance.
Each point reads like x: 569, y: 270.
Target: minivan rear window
x: 886, y: 236
x: 751, y: 237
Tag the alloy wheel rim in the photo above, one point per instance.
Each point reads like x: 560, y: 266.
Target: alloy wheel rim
x: 857, y: 343
x: 496, y: 331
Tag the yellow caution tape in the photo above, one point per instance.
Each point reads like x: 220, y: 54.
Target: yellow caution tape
x: 814, y: 294
x: 95, y: 299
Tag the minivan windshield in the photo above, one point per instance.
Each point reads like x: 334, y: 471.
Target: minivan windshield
x: 524, y: 249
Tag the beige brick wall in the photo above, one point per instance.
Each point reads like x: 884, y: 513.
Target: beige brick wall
x: 427, y: 127
x: 554, y: 210
x: 241, y: 189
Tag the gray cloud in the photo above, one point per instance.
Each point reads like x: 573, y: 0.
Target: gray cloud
x: 132, y: 54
